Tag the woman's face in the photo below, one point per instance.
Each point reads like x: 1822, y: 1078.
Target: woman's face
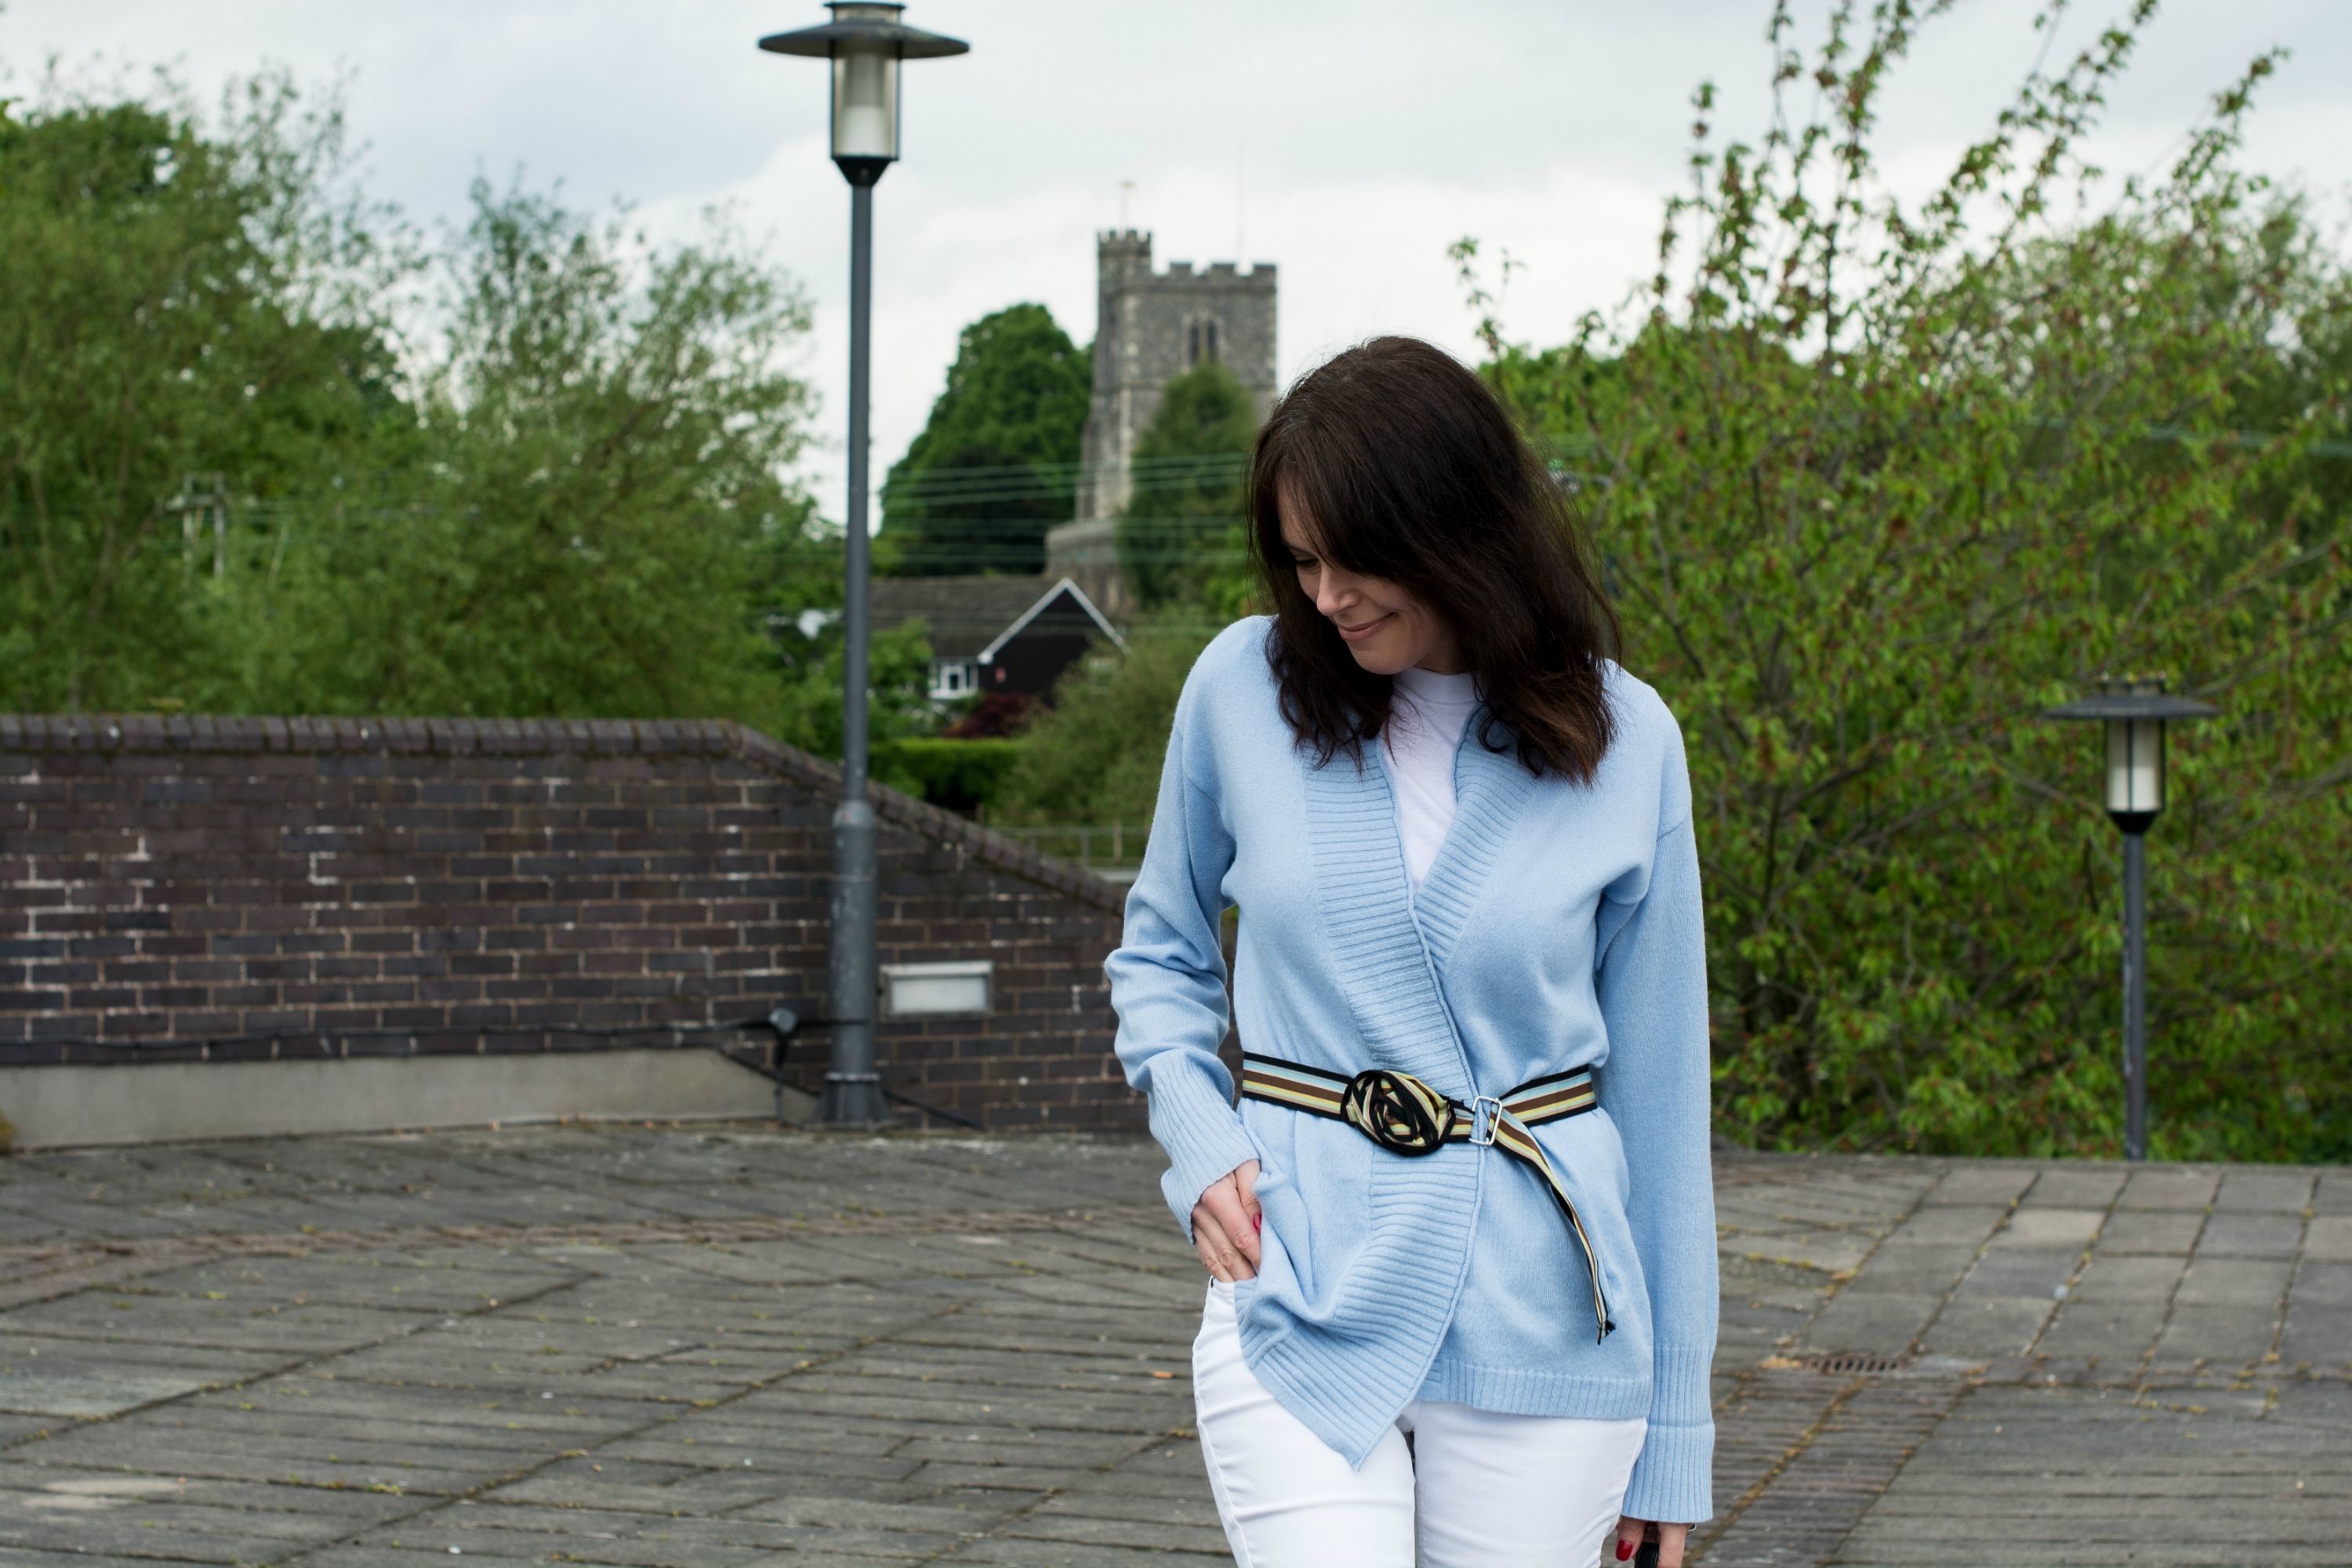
x: 1386, y: 627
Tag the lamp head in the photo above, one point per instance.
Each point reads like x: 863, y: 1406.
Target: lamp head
x: 2134, y: 711
x: 865, y: 41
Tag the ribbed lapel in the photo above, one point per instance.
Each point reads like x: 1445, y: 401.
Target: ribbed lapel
x: 1368, y: 911
x: 1491, y: 792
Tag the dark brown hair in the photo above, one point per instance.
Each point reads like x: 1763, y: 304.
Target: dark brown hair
x: 1407, y: 467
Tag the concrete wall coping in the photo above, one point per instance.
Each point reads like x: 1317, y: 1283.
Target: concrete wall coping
x: 33, y: 734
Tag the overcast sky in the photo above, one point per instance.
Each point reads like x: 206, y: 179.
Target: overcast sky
x: 1349, y: 143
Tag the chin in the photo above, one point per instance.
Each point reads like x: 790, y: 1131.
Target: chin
x: 1379, y: 660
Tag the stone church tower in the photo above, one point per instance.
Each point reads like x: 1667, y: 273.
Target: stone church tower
x: 1151, y: 327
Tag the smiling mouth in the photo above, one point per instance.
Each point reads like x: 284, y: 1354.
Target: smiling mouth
x: 1357, y: 633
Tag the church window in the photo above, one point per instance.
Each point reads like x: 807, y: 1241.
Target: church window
x: 1200, y: 341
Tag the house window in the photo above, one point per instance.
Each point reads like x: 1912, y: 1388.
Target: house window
x: 1200, y: 341
x: 953, y: 677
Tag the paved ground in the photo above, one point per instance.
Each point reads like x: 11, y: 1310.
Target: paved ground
x: 648, y: 1347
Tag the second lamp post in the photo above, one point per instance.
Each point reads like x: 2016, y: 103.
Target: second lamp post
x: 864, y: 42
x: 2134, y: 713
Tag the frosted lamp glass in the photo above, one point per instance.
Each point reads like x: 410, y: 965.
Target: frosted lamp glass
x: 865, y: 103
x: 2136, y: 764
x: 937, y: 990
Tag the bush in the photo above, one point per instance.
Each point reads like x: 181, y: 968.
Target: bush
x: 1095, y: 755
x: 961, y: 775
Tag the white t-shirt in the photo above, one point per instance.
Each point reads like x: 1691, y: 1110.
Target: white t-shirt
x: 1424, y: 731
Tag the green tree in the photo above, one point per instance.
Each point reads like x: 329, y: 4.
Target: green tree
x: 996, y: 465
x: 172, y: 304
x: 562, y: 488
x: 603, y: 521
x: 1180, y: 535
x: 898, y: 672
x: 1874, y: 484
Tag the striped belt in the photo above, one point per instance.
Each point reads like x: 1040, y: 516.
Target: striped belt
x: 1406, y: 1116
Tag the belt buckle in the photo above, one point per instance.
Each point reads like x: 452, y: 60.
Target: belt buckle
x: 1486, y: 1116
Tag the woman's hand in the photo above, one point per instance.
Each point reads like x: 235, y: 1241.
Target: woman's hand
x: 1224, y: 1224
x: 1671, y: 1538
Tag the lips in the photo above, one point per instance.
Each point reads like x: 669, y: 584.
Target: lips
x: 1358, y: 633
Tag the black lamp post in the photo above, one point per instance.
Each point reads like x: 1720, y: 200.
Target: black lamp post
x: 2134, y: 712
x: 864, y: 42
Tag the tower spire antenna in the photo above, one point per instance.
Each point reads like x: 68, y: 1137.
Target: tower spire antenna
x: 1241, y: 208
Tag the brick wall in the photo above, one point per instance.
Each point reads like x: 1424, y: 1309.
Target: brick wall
x: 232, y: 889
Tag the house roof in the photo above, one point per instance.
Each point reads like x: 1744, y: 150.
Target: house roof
x: 964, y: 614
x: 1064, y: 609
x: 972, y: 617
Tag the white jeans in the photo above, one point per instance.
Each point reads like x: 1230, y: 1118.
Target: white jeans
x: 1474, y: 1490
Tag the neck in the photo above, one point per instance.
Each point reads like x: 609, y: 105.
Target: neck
x: 1445, y: 658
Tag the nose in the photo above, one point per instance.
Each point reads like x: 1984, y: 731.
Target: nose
x: 1334, y: 592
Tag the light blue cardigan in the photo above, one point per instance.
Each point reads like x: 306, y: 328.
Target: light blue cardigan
x: 1560, y: 927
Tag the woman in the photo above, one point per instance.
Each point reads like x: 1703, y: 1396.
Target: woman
x: 1459, y: 1226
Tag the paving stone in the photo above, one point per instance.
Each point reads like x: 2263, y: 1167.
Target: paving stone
x: 1901, y: 1266
x: 1988, y: 1326
x: 2131, y: 1277
x: 2170, y: 1231
x: 2263, y: 1236
x: 1997, y: 1183
x: 2329, y: 1237
x: 2188, y: 1187
x: 2083, y: 1186
x: 2019, y: 1272
x: 1886, y: 1324
x: 2317, y: 1337
x: 2333, y: 1195
x: 2038, y: 1227
x: 2231, y: 1281
x: 1951, y: 1224
x: 2319, y: 1284
x: 2224, y: 1335
x: 2255, y: 1189
x: 2113, y: 1334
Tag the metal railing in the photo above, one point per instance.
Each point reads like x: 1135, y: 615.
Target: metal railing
x: 1108, y: 850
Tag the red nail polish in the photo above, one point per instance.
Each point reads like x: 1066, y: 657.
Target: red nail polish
x: 1258, y: 1222
x: 1625, y: 1549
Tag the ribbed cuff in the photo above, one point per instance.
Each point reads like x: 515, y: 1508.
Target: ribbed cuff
x: 1681, y: 1386
x: 1674, y: 1480
x: 1200, y: 1130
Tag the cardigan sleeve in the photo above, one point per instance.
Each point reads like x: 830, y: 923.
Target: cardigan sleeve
x: 1168, y: 979
x: 1653, y: 994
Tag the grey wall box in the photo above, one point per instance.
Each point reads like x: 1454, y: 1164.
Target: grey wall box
x: 960, y: 990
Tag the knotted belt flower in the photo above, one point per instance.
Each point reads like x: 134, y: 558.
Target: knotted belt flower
x: 1406, y: 1116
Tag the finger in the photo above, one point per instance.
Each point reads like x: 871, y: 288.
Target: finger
x: 1223, y: 1202
x: 1246, y: 1184
x: 1214, y: 1242
x: 1208, y: 1241
x: 1629, y: 1537
x: 1671, y: 1539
